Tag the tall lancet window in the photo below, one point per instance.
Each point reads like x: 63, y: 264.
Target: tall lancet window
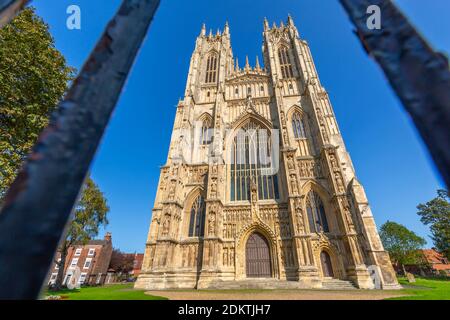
x: 285, y: 63
x: 197, y: 219
x: 206, y: 132
x: 298, y: 126
x: 211, y: 68
x: 316, y: 213
x: 252, y: 162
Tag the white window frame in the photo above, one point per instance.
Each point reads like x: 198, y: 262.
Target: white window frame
x: 91, y: 252
x: 74, y: 263
x: 90, y: 263
x: 78, y: 252
x: 52, y: 279
x: 83, y: 274
x: 67, y: 278
x: 56, y: 264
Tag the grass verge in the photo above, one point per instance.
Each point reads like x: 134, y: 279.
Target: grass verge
x: 425, y: 289
x: 108, y: 292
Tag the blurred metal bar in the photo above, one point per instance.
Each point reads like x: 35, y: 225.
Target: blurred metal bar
x: 39, y: 203
x: 419, y: 76
x: 9, y: 9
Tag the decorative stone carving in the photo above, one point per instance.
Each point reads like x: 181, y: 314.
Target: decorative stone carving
x: 212, y: 223
x: 166, y: 225
x: 173, y: 185
x: 290, y: 162
x: 310, y: 168
x: 339, y: 182
x: 334, y: 164
x: 213, y: 193
x: 347, y: 214
x: 293, y: 181
x: 299, y: 216
x: 197, y: 174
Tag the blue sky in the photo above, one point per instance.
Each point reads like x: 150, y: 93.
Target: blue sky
x: 390, y: 159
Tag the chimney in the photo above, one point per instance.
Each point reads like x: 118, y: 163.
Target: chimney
x: 108, y: 237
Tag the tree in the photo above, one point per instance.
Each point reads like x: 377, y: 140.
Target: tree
x: 33, y: 78
x: 89, y: 215
x: 436, y: 213
x: 402, y: 244
x: 121, y: 262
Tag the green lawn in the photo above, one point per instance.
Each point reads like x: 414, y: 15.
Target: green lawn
x: 422, y: 289
x: 109, y: 292
x: 425, y: 289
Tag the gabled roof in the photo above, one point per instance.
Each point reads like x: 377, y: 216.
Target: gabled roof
x: 438, y: 261
x: 247, y: 76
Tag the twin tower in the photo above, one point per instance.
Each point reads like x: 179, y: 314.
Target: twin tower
x: 258, y: 189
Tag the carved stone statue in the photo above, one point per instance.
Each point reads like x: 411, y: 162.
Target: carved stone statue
x: 254, y: 190
x: 212, y: 223
x: 290, y: 161
x: 348, y: 215
x: 172, y: 190
x: 339, y: 182
x: 213, y: 188
x: 294, y: 184
x: 166, y: 225
x: 333, y: 162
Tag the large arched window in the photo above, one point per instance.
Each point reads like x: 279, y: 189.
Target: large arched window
x: 285, y: 63
x: 211, y: 68
x: 252, y: 162
x: 316, y: 213
x: 205, y: 134
x: 197, y: 218
x: 298, y: 126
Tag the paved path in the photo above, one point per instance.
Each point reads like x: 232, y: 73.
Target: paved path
x: 275, y: 294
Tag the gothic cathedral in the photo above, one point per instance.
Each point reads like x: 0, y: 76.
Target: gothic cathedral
x: 259, y: 189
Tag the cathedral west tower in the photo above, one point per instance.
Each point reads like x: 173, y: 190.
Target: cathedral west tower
x: 258, y: 189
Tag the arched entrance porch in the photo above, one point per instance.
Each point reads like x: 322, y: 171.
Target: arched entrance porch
x: 326, y: 265
x: 257, y: 257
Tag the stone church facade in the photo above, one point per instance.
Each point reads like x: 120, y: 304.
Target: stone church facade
x: 258, y: 185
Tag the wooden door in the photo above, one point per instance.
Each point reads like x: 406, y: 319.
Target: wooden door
x: 327, y: 268
x: 257, y: 255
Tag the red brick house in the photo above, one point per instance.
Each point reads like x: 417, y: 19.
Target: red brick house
x: 89, y: 262
x: 114, y: 276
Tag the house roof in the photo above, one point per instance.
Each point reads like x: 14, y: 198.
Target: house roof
x: 436, y: 259
x: 97, y: 242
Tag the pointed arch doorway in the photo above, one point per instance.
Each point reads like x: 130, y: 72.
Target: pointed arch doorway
x: 257, y: 257
x: 327, y: 267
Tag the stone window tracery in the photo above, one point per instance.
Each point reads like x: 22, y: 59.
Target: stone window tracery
x: 205, y: 134
x: 252, y: 162
x: 211, y: 69
x: 316, y: 213
x: 197, y: 218
x: 285, y: 63
x: 298, y: 126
